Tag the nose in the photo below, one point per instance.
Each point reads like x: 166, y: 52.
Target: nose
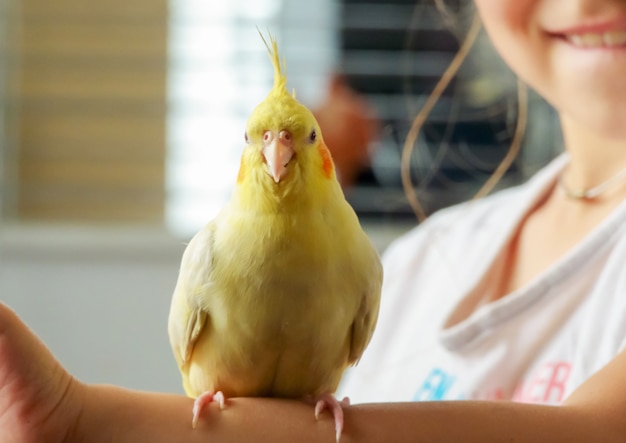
x: 284, y: 137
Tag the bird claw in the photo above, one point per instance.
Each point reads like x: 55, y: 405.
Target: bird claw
x: 327, y: 401
x: 204, y: 399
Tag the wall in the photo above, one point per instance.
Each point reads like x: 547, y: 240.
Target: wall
x: 98, y: 298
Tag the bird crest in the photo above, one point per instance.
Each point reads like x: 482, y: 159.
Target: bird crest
x: 280, y: 71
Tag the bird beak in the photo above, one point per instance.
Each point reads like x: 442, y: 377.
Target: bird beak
x: 277, y: 152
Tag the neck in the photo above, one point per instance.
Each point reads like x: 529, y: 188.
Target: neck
x: 593, y: 158
x: 258, y: 193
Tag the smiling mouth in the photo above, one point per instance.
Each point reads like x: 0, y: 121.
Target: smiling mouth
x: 609, y: 39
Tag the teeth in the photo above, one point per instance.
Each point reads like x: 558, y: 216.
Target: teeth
x: 591, y: 40
x: 614, y: 38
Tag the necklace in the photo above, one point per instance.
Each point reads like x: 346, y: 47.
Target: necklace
x: 590, y: 193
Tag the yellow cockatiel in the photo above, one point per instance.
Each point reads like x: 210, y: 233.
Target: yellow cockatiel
x: 279, y: 293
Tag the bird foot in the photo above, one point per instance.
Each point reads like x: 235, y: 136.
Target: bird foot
x: 203, y: 400
x: 327, y: 401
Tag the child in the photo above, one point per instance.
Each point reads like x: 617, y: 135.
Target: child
x: 534, y: 309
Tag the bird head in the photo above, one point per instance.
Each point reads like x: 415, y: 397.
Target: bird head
x: 283, y: 139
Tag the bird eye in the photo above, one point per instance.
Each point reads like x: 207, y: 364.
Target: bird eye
x: 245, y: 137
x: 313, y: 136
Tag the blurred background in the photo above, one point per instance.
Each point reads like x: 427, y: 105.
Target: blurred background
x: 121, y: 127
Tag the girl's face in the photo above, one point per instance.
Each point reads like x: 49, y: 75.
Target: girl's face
x: 573, y: 52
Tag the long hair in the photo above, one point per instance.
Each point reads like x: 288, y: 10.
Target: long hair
x: 422, y: 116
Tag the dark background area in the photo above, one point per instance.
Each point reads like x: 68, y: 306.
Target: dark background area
x: 394, y: 52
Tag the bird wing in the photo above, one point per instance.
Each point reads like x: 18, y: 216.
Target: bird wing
x: 189, y: 313
x: 367, y: 315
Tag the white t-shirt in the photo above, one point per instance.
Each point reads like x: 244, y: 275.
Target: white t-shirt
x: 534, y: 345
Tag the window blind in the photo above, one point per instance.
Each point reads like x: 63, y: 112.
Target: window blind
x: 91, y: 120
x: 394, y: 52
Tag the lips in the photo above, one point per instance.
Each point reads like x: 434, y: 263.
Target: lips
x: 600, y: 34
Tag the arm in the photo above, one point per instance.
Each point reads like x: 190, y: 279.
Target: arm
x: 39, y: 401
x: 167, y: 419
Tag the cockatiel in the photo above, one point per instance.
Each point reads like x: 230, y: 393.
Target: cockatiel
x: 279, y: 293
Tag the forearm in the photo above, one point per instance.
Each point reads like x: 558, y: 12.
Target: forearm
x: 129, y: 416
x: 121, y: 415
x: 468, y: 422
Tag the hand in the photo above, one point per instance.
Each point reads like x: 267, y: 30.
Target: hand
x: 349, y: 127
x: 39, y: 400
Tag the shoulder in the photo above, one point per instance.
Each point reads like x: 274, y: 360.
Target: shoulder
x: 470, y: 228
x: 463, y: 228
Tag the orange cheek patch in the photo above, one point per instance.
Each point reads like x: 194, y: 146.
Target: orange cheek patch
x: 327, y: 161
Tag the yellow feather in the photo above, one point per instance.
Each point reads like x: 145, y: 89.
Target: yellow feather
x: 280, y: 75
x: 280, y: 292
